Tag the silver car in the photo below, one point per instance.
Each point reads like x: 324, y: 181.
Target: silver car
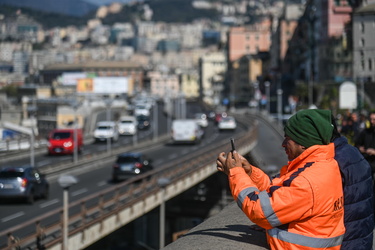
x: 24, y: 182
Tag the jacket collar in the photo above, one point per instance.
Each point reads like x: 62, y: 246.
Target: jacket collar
x: 312, y: 154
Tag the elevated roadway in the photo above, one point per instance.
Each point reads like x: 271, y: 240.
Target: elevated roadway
x: 112, y: 206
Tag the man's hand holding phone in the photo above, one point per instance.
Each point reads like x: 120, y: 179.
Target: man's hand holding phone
x: 232, y: 160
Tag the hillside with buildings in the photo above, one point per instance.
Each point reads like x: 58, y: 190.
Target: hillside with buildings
x: 244, y: 54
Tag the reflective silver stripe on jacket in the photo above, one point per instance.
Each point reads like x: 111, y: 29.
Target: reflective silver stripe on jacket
x: 268, y: 210
x: 264, y: 202
x: 305, y: 240
x: 243, y: 194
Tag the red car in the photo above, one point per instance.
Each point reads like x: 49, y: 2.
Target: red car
x: 61, y: 141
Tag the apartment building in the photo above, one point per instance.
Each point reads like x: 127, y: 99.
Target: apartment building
x: 249, y: 39
x: 212, y: 67
x: 364, y: 44
x: 163, y: 84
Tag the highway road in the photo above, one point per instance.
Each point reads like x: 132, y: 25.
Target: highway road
x: 96, y: 180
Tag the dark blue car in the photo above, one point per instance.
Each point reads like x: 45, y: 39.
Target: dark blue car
x: 128, y: 165
x: 25, y: 183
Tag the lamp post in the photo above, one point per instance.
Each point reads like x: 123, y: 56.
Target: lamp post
x: 75, y: 136
x: 162, y: 183
x: 311, y: 19
x: 279, y: 105
x: 155, y: 120
x: 32, y: 141
x: 32, y: 111
x: 66, y: 181
x: 108, y: 102
x: 268, y: 84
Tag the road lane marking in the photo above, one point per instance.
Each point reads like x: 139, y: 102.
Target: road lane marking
x: 80, y: 191
x: 172, y: 156
x: 44, y: 163
x: 49, y: 203
x: 11, y: 217
x: 159, y: 161
x: 185, y: 151
x: 102, y: 183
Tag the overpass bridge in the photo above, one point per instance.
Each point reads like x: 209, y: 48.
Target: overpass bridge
x: 99, y: 215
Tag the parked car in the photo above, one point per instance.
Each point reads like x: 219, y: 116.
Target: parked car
x: 201, y: 119
x: 127, y: 125
x: 105, y: 130
x: 186, y: 131
x: 143, y: 122
x: 61, y: 141
x: 227, y: 123
x: 24, y: 182
x: 128, y: 165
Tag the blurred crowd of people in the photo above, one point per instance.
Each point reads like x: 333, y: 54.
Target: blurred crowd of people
x: 359, y: 129
x: 351, y: 124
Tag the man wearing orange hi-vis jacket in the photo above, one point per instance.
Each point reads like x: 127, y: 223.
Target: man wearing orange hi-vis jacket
x: 302, y: 207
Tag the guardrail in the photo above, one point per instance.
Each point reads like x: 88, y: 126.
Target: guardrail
x: 102, y: 213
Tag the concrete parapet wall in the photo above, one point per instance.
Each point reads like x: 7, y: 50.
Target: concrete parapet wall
x: 229, y: 229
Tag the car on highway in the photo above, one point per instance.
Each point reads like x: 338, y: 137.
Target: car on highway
x: 130, y: 164
x: 105, y: 130
x: 62, y: 141
x: 23, y: 183
x: 127, y: 125
x: 186, y: 131
x: 143, y: 122
x: 201, y: 119
x: 141, y: 109
x: 227, y: 123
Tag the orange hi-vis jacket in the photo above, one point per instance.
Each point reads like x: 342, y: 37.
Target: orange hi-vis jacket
x: 302, y: 208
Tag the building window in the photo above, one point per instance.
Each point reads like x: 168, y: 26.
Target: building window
x: 362, y: 64
x: 362, y: 27
x: 362, y: 42
x: 370, y: 64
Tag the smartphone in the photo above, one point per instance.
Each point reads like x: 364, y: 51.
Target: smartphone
x: 232, y: 143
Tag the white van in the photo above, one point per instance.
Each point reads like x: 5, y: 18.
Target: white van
x: 127, y: 125
x: 105, y: 130
x: 186, y: 131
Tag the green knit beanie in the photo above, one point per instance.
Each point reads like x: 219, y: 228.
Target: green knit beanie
x: 310, y: 127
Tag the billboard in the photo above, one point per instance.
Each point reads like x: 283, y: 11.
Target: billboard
x: 348, y: 95
x: 103, y: 85
x: 71, y: 78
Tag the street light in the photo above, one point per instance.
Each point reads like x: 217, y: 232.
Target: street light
x: 162, y: 183
x: 279, y: 105
x: 155, y: 120
x: 75, y: 105
x: 66, y: 181
x: 268, y: 84
x: 311, y: 19
x: 108, y: 103
x: 32, y: 111
x: 32, y: 141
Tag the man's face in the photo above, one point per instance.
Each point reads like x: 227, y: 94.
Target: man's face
x: 372, y: 120
x: 292, y: 149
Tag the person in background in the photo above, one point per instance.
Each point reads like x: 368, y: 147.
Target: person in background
x: 358, y: 194
x: 302, y: 207
x: 351, y: 129
x: 366, y: 142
